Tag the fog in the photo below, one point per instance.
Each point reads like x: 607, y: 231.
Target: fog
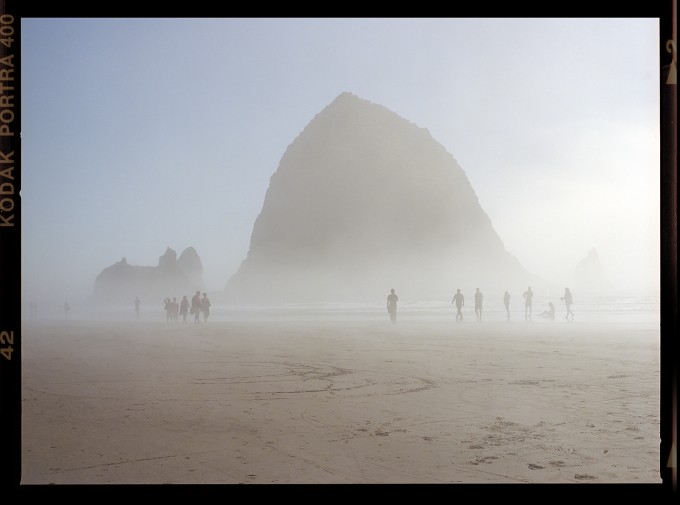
x: 141, y: 144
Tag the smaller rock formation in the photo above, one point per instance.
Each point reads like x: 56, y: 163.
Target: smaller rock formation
x: 173, y: 277
x: 589, y: 278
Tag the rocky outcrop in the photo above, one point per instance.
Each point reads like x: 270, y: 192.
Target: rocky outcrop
x: 191, y: 265
x: 122, y: 282
x: 589, y: 277
x: 364, y: 201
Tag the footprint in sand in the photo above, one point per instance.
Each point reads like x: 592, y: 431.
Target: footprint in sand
x: 584, y: 476
x: 558, y: 464
x: 535, y: 467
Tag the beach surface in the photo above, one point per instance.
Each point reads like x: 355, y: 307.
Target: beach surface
x: 333, y: 401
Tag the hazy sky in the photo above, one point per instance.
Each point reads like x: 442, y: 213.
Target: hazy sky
x: 140, y: 134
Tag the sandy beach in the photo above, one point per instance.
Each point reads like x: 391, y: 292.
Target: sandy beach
x: 132, y: 402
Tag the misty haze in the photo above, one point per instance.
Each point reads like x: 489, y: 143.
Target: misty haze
x: 398, y: 273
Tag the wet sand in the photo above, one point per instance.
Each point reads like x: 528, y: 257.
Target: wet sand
x: 339, y: 402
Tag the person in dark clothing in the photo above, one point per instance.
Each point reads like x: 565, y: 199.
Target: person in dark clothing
x: 184, y: 308
x: 196, y: 307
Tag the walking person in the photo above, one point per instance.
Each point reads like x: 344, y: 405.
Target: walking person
x: 459, y: 300
x: 506, y: 302
x: 137, y: 302
x: 478, y: 304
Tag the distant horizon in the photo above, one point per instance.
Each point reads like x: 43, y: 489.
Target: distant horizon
x: 218, y: 297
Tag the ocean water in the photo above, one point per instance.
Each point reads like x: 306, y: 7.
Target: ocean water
x: 591, y: 310
x: 587, y: 309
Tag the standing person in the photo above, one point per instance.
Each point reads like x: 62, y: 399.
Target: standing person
x: 528, y: 295
x: 459, y: 300
x: 184, y: 308
x: 478, y: 304
x: 568, y: 300
x: 175, y: 310
x: 506, y: 302
x: 392, y: 299
x: 205, y: 307
x: 196, y: 307
x: 67, y: 307
x: 137, y: 307
x: 168, y: 310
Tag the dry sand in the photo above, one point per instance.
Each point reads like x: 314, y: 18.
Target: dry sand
x: 340, y: 402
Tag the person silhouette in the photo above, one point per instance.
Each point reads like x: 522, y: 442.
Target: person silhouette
x: 137, y: 307
x: 550, y: 313
x: 205, y: 307
x: 568, y: 300
x: 506, y: 302
x: 459, y: 300
x: 196, y: 307
x: 168, y: 309
x: 184, y: 308
x: 175, y: 310
x: 392, y: 299
x: 528, y: 297
x: 67, y: 307
x: 478, y: 304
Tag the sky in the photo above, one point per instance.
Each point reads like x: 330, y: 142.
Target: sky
x: 139, y: 134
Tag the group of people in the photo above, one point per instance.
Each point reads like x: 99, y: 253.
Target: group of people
x: 567, y: 297
x: 459, y: 302
x: 173, y: 309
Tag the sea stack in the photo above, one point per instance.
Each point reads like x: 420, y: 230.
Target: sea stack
x: 363, y: 201
x: 589, y: 277
x: 173, y: 277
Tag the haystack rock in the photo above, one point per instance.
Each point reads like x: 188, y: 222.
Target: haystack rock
x: 364, y: 201
x: 589, y: 277
x: 173, y: 277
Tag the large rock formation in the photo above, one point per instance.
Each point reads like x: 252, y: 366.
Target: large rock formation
x: 173, y: 277
x: 588, y: 276
x: 364, y: 201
